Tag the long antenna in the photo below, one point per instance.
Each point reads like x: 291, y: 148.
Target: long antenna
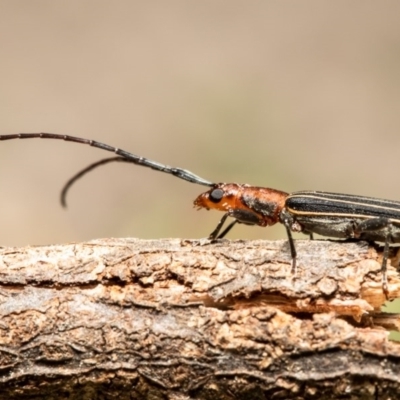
x: 129, y: 157
x: 78, y: 175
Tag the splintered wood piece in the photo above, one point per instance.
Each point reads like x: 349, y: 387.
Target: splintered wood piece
x: 129, y: 318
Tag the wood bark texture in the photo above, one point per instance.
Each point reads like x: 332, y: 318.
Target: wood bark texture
x: 180, y: 319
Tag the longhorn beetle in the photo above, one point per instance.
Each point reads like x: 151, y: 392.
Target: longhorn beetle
x: 327, y: 214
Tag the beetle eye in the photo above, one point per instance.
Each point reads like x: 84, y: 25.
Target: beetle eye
x: 216, y: 195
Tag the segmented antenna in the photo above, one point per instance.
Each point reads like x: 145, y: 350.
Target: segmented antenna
x: 123, y: 156
x: 77, y: 176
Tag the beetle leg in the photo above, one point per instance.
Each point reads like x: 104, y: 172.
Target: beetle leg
x: 214, y: 234
x: 287, y: 221
x: 227, y: 229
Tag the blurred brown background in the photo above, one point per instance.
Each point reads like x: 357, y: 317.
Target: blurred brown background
x: 287, y: 94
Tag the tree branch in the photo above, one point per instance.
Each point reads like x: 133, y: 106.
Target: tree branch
x: 174, y: 319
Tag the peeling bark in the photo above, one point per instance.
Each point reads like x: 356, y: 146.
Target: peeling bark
x: 173, y: 319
